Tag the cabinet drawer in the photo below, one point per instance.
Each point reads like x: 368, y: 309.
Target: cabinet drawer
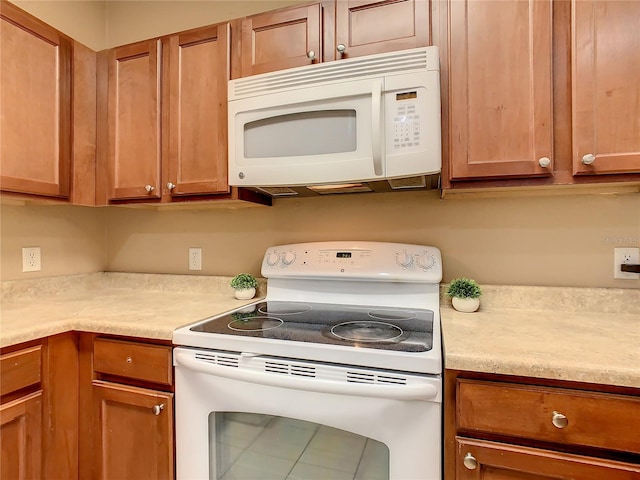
x: 549, y: 414
x: 150, y: 363
x: 20, y: 369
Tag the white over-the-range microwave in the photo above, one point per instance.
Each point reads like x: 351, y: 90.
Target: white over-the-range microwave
x: 363, y: 124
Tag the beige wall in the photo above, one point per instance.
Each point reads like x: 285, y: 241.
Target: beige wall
x: 72, y: 239
x: 566, y: 240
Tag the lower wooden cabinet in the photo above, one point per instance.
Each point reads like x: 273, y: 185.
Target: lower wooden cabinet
x: 21, y: 437
x: 478, y: 459
x: 514, y: 428
x: 133, y: 432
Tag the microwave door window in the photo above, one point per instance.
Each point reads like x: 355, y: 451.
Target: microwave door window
x: 301, y: 134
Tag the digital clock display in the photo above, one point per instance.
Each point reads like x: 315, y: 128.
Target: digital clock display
x: 343, y: 255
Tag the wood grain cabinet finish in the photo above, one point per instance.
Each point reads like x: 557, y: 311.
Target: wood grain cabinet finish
x: 513, y: 430
x: 133, y: 430
x: 483, y: 460
x: 500, y: 88
x: 134, y: 96
x: 368, y: 27
x: 35, y: 100
x: 20, y: 369
x: 197, y: 72
x: 281, y: 39
x: 21, y: 438
x: 606, y: 86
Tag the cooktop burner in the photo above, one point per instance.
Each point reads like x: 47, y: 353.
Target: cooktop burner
x: 408, y: 330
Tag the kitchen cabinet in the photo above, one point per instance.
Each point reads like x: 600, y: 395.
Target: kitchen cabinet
x: 325, y: 31
x: 606, y: 87
x: 500, y: 89
x: 538, y: 93
x: 131, y: 426
x: 35, y: 100
x: 166, y: 117
x: 513, y: 428
x: 21, y: 413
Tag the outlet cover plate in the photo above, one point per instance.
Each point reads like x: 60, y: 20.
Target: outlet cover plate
x: 625, y: 256
x: 195, y: 259
x: 31, y: 259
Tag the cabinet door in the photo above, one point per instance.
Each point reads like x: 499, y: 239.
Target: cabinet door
x: 606, y: 86
x: 477, y: 459
x: 282, y: 39
x: 133, y: 430
x: 368, y: 27
x: 35, y: 101
x: 500, y: 88
x: 134, y: 152
x: 198, y: 72
x: 21, y: 438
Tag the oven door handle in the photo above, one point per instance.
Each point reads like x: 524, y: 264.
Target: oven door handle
x: 422, y: 392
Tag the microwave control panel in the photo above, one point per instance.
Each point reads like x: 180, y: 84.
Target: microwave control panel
x: 405, y: 111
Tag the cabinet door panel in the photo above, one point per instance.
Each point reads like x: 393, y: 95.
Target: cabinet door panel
x: 500, y: 88
x: 606, y: 86
x: 132, y: 441
x: 197, y: 127
x: 21, y: 438
x: 368, y: 27
x: 134, y: 121
x: 35, y: 101
x: 278, y: 40
x: 497, y: 461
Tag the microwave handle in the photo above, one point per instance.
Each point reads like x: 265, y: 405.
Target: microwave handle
x: 376, y: 131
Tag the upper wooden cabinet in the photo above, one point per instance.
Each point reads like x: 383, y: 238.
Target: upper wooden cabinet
x: 368, y: 27
x: 35, y: 101
x: 328, y: 30
x: 500, y: 90
x: 134, y: 150
x: 166, y: 116
x: 606, y: 86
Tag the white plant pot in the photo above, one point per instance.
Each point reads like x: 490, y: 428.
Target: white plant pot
x: 245, y: 293
x: 466, y: 305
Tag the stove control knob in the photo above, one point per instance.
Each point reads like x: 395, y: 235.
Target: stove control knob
x: 272, y: 259
x: 425, y: 261
x: 404, y: 259
x: 288, y: 258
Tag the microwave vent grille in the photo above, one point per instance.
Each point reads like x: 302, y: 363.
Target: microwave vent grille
x: 278, y: 191
x: 332, y: 72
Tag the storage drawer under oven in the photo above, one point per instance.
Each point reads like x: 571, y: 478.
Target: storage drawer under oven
x: 549, y: 414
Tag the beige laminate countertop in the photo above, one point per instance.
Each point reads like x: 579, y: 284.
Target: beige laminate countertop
x: 573, y: 334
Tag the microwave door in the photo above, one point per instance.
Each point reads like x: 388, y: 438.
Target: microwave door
x: 322, y: 134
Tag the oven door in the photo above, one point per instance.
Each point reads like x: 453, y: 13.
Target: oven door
x: 245, y: 416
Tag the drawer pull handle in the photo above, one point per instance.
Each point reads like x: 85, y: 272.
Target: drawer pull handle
x: 129, y: 360
x: 470, y: 462
x: 157, y: 409
x: 559, y: 420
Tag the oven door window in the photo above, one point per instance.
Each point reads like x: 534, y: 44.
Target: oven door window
x: 253, y: 446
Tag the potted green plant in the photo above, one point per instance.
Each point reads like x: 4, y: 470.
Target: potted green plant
x: 465, y: 294
x: 244, y: 286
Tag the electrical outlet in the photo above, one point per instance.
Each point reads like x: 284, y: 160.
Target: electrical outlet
x: 625, y: 256
x: 195, y: 259
x: 31, y: 259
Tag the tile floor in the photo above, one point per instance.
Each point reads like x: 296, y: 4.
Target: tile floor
x: 262, y: 447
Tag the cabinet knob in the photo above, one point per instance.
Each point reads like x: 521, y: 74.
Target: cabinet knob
x: 129, y: 360
x: 470, y: 462
x: 149, y: 188
x: 157, y: 409
x: 559, y: 420
x: 341, y: 49
x: 311, y: 55
x: 588, y: 159
x: 171, y: 186
x: 544, y: 162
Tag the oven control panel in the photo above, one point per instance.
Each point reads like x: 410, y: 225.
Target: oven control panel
x: 354, y: 260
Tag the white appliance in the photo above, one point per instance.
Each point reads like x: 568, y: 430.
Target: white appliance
x: 370, y: 121
x: 337, y: 373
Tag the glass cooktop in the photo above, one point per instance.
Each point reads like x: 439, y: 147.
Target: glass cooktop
x: 406, y: 330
